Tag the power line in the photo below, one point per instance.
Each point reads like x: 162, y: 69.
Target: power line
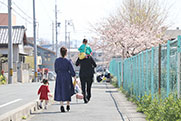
x: 17, y: 13
x: 46, y: 11
x: 6, y: 6
x: 22, y: 11
x: 22, y: 17
x: 3, y: 3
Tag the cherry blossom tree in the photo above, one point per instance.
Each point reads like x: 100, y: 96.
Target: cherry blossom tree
x: 138, y: 25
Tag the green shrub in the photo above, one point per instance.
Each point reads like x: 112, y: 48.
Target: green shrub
x: 114, y: 82
x: 144, y: 103
x: 157, y: 109
x: 2, y: 79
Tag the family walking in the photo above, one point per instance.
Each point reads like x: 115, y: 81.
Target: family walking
x: 64, y: 87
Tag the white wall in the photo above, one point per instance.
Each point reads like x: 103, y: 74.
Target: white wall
x: 25, y: 76
x: 14, y: 77
x: 15, y: 52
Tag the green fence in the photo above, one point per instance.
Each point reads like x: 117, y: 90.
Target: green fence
x: 155, y: 71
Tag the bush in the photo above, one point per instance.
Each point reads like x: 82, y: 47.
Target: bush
x: 2, y: 79
x: 144, y: 103
x: 157, y: 109
x: 114, y: 82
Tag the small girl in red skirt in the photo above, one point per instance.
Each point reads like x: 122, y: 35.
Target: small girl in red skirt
x: 43, y: 91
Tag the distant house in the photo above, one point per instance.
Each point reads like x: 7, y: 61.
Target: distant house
x: 18, y: 39
x: 20, y: 69
x: 4, y: 19
x: 47, y: 56
x: 47, y: 46
x: 173, y: 34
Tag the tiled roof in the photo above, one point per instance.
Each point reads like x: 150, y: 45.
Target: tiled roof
x: 17, y: 34
x: 31, y: 44
x: 173, y: 33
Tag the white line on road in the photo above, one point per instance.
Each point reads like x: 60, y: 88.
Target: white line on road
x: 10, y: 103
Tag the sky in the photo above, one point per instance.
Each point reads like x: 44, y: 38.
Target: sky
x: 83, y: 13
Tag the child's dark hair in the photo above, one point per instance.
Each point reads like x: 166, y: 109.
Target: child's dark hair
x: 45, y: 81
x: 85, y: 41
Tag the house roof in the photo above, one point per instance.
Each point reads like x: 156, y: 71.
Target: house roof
x: 18, y: 34
x: 173, y: 33
x: 30, y: 43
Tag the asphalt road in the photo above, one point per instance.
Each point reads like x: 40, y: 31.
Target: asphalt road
x: 13, y: 96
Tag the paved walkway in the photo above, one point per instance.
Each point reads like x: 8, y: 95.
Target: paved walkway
x: 106, y: 104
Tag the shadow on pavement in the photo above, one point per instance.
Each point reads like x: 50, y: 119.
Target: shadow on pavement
x: 111, y: 91
x: 102, y: 87
x: 73, y: 103
x: 45, y: 113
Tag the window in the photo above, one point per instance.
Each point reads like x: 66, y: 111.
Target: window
x: 99, y: 54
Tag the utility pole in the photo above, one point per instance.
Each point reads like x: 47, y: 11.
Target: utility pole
x: 56, y: 32
x: 53, y: 36
x: 65, y: 33
x: 35, y: 47
x: 69, y: 44
x: 10, y: 45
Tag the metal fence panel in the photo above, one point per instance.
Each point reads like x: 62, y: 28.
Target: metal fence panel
x: 141, y: 72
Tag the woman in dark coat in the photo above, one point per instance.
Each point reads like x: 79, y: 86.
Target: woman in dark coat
x: 64, y: 87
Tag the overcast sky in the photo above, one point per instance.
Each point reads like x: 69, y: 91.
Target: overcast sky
x: 82, y: 12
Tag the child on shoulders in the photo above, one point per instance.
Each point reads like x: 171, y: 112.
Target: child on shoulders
x: 84, y: 48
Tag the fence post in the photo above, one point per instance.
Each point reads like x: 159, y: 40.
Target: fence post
x: 124, y: 75
x: 168, y: 68
x: 136, y: 76
x: 119, y: 79
x: 142, y: 82
x: 159, y: 69
x: 152, y: 72
x: 139, y: 70
x: 124, y: 69
x: 178, y: 64
x: 128, y: 74
x: 121, y: 68
x: 114, y: 70
x: 147, y: 90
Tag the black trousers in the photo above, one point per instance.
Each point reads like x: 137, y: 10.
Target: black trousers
x: 86, y: 84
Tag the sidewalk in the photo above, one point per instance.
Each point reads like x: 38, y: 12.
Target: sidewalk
x: 106, y: 104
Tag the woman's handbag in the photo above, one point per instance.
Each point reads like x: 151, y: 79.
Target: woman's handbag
x: 79, y: 96
x: 74, y: 83
x: 78, y: 93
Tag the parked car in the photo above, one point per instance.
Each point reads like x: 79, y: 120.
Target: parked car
x: 51, y: 76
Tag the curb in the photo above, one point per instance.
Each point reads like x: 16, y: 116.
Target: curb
x: 23, y: 111
x: 18, y: 113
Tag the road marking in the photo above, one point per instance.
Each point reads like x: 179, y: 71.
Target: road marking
x: 10, y: 103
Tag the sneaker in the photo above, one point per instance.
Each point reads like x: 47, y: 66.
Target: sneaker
x: 45, y: 107
x: 40, y: 106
